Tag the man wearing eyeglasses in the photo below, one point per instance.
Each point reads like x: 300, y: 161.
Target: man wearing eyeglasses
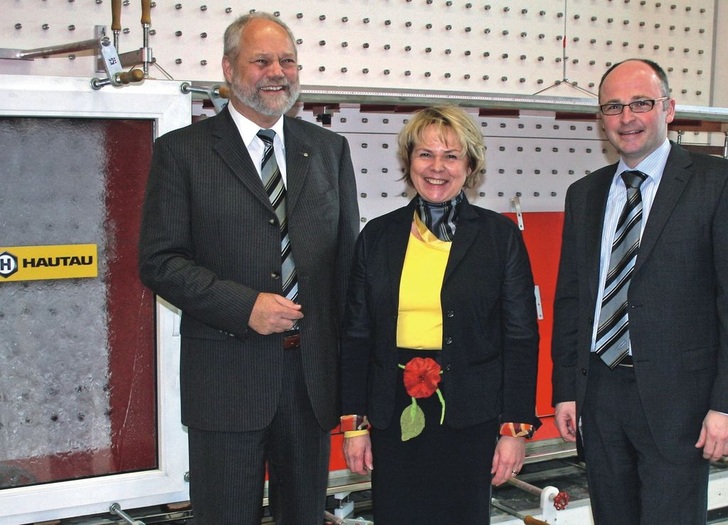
x: 640, y: 342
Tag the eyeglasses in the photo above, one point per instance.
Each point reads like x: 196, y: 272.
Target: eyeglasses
x: 638, y: 106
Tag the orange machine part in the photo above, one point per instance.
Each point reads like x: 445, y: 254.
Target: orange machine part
x: 542, y: 235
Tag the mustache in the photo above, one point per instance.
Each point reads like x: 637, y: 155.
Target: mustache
x: 274, y: 82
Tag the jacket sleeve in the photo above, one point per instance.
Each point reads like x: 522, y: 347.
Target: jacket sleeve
x: 348, y: 224
x: 719, y: 397
x: 520, y: 335
x: 357, y: 336
x: 566, y: 308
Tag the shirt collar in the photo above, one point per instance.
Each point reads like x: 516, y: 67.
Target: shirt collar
x: 249, y: 130
x: 652, y: 166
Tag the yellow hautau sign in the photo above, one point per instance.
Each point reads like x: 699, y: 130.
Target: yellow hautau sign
x: 33, y: 263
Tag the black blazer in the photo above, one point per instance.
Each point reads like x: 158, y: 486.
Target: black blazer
x: 678, y: 296
x: 210, y: 243
x: 490, y: 332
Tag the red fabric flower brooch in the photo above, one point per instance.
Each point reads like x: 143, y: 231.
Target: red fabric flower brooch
x: 421, y: 379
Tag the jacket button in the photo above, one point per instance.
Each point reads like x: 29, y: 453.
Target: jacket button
x: 450, y: 313
x: 583, y: 371
x: 448, y: 340
x: 275, y: 275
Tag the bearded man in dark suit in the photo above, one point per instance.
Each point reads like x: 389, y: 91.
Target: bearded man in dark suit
x: 261, y: 291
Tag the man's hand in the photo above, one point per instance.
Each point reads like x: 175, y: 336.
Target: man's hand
x: 273, y: 313
x: 714, y: 436
x: 565, y: 419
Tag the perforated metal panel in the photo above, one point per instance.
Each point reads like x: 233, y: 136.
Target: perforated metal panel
x: 494, y: 46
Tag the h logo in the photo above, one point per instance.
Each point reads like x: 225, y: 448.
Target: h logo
x: 8, y: 264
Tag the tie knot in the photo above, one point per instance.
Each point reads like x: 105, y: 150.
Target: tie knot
x: 633, y: 179
x: 266, y: 135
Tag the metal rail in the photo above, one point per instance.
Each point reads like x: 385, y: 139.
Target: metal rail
x: 115, y: 509
x: 573, y: 107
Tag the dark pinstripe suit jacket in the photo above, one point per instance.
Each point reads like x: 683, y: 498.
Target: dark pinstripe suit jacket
x: 678, y: 297
x: 209, y: 245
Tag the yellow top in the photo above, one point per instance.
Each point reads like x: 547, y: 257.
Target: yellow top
x: 419, y: 324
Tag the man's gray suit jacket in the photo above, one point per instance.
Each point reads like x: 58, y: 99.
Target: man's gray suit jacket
x: 678, y: 297
x: 210, y: 244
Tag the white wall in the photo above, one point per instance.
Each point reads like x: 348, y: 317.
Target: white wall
x: 720, y: 65
x: 495, y: 46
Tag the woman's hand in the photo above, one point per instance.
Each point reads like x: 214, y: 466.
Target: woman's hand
x: 508, y: 458
x: 358, y: 454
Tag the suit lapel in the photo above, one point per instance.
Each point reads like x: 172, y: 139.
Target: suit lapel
x: 464, y: 238
x: 234, y: 153
x: 673, y: 183
x: 298, y: 161
x: 596, y: 206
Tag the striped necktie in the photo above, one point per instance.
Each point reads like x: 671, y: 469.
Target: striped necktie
x: 613, y: 343
x: 276, y: 190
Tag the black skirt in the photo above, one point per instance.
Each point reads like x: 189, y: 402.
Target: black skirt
x: 440, y: 477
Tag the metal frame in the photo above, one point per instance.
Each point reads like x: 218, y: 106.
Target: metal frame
x: 163, y: 103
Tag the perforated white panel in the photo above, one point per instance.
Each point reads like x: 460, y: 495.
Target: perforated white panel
x: 554, y: 47
x: 534, y: 158
x: 497, y: 46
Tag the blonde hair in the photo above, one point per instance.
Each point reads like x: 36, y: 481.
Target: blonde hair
x: 444, y: 118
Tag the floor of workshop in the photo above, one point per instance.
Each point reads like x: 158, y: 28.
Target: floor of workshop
x: 566, y: 474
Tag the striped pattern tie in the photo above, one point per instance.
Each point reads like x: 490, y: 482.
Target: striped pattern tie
x: 276, y: 190
x: 613, y: 343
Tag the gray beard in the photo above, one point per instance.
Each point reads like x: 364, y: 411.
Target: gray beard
x: 252, y: 99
